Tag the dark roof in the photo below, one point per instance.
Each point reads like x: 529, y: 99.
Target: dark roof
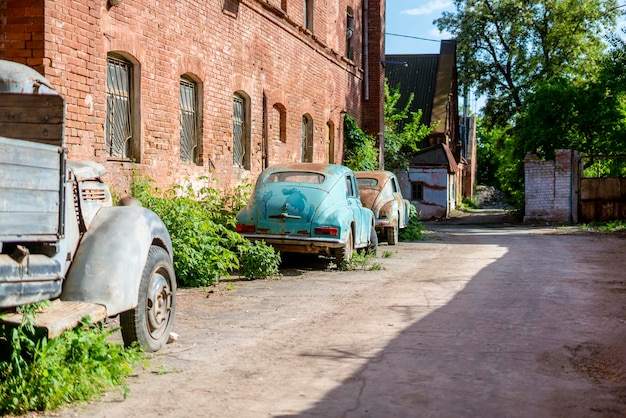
x: 419, y: 78
x: 436, y: 156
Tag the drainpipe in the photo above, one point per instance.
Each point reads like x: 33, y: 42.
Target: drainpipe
x: 264, y: 140
x: 366, y: 39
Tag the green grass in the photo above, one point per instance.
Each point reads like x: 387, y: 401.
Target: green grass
x: 38, y: 374
x: 610, y: 226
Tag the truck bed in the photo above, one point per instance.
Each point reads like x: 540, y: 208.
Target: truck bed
x: 32, y: 167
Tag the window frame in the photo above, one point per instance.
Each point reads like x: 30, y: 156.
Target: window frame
x: 308, y: 18
x: 115, y: 150
x: 241, y: 128
x: 307, y: 139
x: 417, y: 191
x: 192, y: 155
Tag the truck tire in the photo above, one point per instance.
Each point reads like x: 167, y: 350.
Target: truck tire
x: 150, y: 323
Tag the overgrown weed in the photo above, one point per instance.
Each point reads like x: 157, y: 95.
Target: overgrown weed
x: 40, y: 374
x: 202, y: 224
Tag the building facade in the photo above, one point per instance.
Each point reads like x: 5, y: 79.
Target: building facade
x: 183, y: 91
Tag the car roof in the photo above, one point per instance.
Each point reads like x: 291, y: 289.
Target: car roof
x: 326, y: 169
x: 374, y: 174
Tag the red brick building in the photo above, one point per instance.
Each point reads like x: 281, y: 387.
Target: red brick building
x: 178, y: 90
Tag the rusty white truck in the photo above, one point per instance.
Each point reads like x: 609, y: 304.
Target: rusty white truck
x: 61, y: 237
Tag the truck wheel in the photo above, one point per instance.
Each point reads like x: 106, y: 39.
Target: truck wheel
x: 150, y: 322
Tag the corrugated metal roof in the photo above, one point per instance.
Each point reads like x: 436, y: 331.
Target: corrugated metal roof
x: 437, y: 155
x: 419, y: 78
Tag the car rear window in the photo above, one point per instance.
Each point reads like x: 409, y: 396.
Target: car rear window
x: 295, y: 177
x: 365, y: 182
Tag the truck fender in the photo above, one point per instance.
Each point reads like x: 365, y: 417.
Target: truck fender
x: 111, y: 256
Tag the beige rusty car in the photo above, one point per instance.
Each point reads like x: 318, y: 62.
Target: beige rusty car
x: 381, y: 193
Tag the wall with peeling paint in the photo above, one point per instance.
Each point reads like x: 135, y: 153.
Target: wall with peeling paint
x: 438, y: 190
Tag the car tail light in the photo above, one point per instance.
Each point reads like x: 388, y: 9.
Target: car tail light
x: 245, y: 228
x: 326, y: 230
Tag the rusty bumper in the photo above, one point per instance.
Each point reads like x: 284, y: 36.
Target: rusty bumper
x: 295, y: 244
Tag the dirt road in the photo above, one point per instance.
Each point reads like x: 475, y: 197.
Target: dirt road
x: 474, y: 321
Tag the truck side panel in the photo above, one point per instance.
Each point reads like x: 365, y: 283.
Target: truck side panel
x: 31, y: 190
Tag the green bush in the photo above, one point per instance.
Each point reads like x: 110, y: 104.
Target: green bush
x: 202, y: 227
x: 38, y: 374
x: 361, y: 152
x: 414, y: 230
x: 258, y: 261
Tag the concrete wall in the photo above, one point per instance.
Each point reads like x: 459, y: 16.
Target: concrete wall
x: 256, y: 47
x: 552, y: 188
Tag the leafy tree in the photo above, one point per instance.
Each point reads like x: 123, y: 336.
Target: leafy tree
x: 403, y: 130
x: 361, y: 151
x: 508, y: 47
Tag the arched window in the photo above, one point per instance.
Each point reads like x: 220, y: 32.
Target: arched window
x: 350, y: 33
x: 189, y: 120
x: 278, y: 124
x: 307, y: 139
x: 241, y: 131
x: 330, y: 142
x: 308, y: 15
x: 119, y: 117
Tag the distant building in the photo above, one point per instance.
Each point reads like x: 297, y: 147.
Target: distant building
x: 432, y: 79
x: 183, y: 90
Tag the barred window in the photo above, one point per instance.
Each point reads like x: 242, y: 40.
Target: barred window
x: 307, y: 139
x: 350, y: 34
x: 240, y: 132
x: 308, y: 15
x: 189, y: 137
x: 118, y: 127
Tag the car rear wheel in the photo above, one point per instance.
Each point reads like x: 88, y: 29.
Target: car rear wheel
x: 373, y: 244
x: 344, y: 254
x: 150, y: 323
x: 392, y: 235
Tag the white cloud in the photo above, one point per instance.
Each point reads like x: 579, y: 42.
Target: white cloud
x: 434, y: 33
x: 432, y: 6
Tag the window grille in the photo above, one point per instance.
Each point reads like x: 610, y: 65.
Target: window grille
x: 119, y: 109
x: 350, y: 34
x: 239, y: 119
x: 417, y: 191
x: 188, y: 121
x: 307, y: 140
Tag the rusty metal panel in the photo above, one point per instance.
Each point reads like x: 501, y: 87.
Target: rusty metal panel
x: 602, y: 199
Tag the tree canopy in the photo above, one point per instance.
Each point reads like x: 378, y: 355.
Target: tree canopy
x: 507, y: 48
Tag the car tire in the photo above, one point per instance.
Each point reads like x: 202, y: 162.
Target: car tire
x: 344, y: 254
x: 150, y: 323
x: 392, y: 235
x: 373, y: 244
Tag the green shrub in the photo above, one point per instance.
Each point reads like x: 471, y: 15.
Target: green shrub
x: 202, y: 227
x: 414, y: 230
x: 38, y: 374
x: 258, y: 261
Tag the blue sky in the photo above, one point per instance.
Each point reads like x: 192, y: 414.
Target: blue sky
x: 414, y: 18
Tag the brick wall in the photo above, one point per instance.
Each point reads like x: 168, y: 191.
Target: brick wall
x: 21, y: 32
x: 248, y: 46
x: 550, y: 191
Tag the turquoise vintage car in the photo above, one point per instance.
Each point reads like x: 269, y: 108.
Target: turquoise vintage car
x: 309, y: 208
